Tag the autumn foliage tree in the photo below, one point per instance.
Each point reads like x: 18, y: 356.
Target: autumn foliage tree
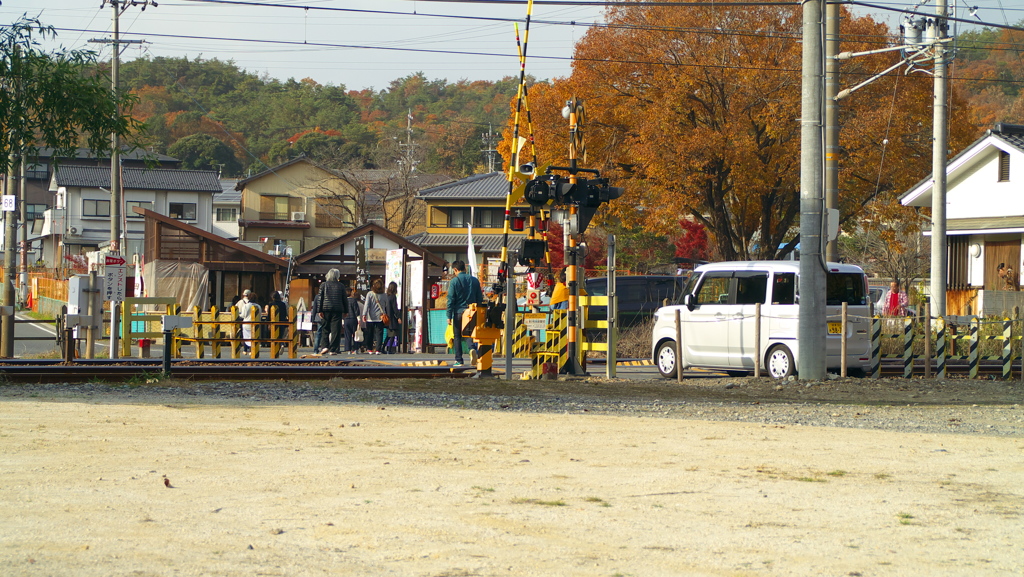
x: 695, y: 111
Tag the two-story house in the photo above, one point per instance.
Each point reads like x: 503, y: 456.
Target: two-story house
x: 298, y: 204
x: 80, y: 220
x: 38, y: 198
x: 479, y: 201
x: 984, y: 220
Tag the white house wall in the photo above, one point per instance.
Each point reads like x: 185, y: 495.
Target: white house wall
x: 1000, y: 198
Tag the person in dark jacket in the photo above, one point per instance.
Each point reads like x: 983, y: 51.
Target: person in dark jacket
x: 394, y: 324
x: 352, y: 321
x: 276, y: 304
x: 463, y: 290
x: 333, y: 305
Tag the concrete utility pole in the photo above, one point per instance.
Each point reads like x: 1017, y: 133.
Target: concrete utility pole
x: 116, y: 186
x: 811, y: 328
x: 940, y: 147
x: 10, y: 228
x: 831, y: 120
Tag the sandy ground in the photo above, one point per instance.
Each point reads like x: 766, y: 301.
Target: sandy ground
x: 258, y: 488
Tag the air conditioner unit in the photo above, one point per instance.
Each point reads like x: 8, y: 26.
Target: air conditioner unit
x: 299, y: 217
x: 72, y: 230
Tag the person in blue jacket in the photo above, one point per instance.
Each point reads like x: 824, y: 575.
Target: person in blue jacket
x: 463, y: 290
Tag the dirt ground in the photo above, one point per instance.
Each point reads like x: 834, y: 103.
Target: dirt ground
x: 138, y: 482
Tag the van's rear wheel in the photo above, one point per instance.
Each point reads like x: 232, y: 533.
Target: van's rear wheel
x: 780, y: 362
x: 665, y: 358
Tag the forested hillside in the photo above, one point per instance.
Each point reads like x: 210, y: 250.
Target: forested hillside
x: 212, y: 114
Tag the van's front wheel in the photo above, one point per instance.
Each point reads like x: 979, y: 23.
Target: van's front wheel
x: 780, y: 362
x: 665, y: 358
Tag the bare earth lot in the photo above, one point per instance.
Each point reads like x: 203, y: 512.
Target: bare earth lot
x: 458, y: 478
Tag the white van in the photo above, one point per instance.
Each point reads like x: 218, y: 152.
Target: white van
x: 718, y: 320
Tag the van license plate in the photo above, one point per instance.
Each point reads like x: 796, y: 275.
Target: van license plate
x: 835, y: 328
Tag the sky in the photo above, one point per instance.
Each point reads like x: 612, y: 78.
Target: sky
x: 371, y: 42
x: 389, y: 45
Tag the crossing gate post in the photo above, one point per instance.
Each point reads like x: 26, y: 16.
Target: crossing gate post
x: 972, y: 351
x: 1007, y: 349
x: 876, y: 347
x: 927, y: 340
x: 908, y: 347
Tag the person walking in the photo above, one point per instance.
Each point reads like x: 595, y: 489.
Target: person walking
x: 393, y: 327
x: 463, y: 290
x: 248, y: 309
x: 351, y: 322
x: 332, y: 305
x: 373, y: 317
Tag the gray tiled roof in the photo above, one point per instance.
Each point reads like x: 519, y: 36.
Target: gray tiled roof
x: 228, y: 195
x: 140, y: 178
x: 479, y: 186
x: 483, y: 242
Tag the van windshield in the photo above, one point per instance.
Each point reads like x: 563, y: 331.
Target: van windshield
x: 845, y: 288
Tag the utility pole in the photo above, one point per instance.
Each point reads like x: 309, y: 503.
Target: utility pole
x: 811, y: 328
x: 831, y: 120
x: 489, y: 140
x: 116, y: 188
x: 940, y: 146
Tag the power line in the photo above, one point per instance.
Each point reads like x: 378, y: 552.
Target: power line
x: 486, y: 54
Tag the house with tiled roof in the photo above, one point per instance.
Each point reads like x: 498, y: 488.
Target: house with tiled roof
x: 80, y: 220
x: 451, y: 208
x: 226, y: 206
x: 297, y: 205
x: 39, y: 169
x: 984, y: 221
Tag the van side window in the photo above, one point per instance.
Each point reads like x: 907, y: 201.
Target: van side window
x: 751, y: 287
x: 714, y: 288
x: 784, y: 289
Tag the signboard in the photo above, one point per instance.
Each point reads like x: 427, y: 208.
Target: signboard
x: 414, y: 274
x: 305, y: 320
x: 393, y: 261
x: 8, y: 202
x: 115, y: 279
x: 362, y: 275
x: 536, y: 321
x: 533, y: 297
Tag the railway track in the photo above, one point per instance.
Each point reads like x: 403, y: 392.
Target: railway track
x: 120, y: 370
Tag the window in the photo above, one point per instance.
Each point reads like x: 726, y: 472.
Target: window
x: 182, y: 210
x: 227, y: 214
x: 458, y: 217
x: 784, y: 289
x: 714, y: 288
x: 490, y: 218
x: 845, y: 287
x: 751, y: 287
x: 1004, y: 166
x: 35, y: 211
x: 95, y: 208
x: 131, y: 204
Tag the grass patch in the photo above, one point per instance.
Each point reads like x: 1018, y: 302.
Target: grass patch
x: 883, y: 476
x: 905, y: 518
x: 598, y: 500
x: 520, y: 501
x: 837, y: 473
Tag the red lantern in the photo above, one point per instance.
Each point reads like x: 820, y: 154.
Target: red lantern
x: 542, y: 224
x: 435, y: 291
